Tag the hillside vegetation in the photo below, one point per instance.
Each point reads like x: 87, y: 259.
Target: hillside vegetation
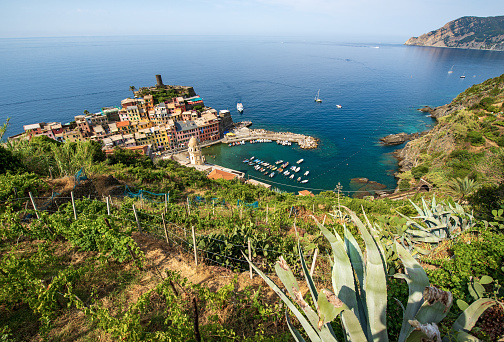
x: 109, y: 254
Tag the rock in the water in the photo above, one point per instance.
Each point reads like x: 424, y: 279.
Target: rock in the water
x: 398, y: 139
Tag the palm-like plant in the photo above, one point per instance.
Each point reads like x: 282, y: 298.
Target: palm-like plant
x: 462, y: 187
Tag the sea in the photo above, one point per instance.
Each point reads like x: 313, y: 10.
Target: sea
x: 379, y: 86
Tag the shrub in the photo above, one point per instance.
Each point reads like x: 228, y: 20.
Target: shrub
x: 476, y: 138
x: 404, y: 185
x: 419, y: 171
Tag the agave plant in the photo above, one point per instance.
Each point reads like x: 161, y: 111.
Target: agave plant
x: 359, y: 294
x: 438, y: 223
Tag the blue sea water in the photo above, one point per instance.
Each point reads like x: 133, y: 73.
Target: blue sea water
x: 379, y: 86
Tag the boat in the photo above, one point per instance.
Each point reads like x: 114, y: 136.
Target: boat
x: 339, y: 106
x: 239, y: 107
x: 297, y: 169
x: 299, y: 179
x: 300, y: 161
x: 306, y: 173
x: 463, y: 75
x: 451, y: 70
x: 317, y: 98
x: 272, y: 174
x: 279, y: 161
x: 304, y: 181
x: 291, y: 176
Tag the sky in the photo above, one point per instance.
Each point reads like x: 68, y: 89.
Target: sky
x: 323, y: 19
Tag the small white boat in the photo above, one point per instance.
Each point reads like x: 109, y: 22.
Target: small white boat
x: 339, y: 106
x: 300, y: 161
x: 291, y: 176
x: 306, y: 173
x: 239, y: 107
x: 304, y: 181
x: 317, y: 98
x: 299, y: 179
x: 272, y: 174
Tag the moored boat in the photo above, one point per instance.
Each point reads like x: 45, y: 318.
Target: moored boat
x: 306, y: 173
x: 239, y: 107
x: 304, y: 181
x: 300, y: 161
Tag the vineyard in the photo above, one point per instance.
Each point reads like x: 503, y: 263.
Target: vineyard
x: 122, y: 249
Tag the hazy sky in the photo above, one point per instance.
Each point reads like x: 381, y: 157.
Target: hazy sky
x: 385, y: 19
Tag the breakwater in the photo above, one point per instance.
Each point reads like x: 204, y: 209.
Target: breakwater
x: 245, y: 134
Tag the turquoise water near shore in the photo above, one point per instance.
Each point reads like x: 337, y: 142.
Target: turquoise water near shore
x: 379, y: 86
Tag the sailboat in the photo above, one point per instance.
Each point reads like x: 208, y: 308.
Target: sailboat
x: 451, y: 70
x: 463, y: 75
x: 317, y: 98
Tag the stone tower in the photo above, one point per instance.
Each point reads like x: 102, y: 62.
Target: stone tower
x: 159, y: 81
x: 195, y: 155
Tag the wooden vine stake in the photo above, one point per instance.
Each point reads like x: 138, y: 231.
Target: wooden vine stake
x: 250, y: 258
x: 194, y: 245
x: 34, y: 205
x: 137, y: 220
x: 108, y: 206
x: 165, y: 203
x: 73, y: 206
x: 313, y: 262
x: 324, y: 220
x: 165, y: 230
x: 188, y: 207
x: 267, y: 210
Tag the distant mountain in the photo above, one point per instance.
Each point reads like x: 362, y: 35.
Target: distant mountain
x: 466, y: 33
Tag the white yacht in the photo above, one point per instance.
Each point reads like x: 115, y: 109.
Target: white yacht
x: 239, y: 107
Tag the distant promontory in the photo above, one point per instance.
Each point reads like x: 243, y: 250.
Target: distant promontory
x: 479, y: 33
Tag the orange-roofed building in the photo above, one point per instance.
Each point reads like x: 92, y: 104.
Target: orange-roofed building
x: 306, y: 193
x: 219, y: 174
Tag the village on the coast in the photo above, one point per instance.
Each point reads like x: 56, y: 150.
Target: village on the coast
x: 160, y: 122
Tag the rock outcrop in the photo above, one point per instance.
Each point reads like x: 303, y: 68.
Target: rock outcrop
x: 400, y: 138
x: 481, y: 33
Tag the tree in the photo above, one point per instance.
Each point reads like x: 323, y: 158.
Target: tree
x: 86, y: 112
x: 132, y: 88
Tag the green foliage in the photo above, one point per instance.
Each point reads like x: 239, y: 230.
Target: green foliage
x: 472, y: 256
x: 476, y: 138
x: 130, y: 158
x: 461, y: 188
x: 486, y: 199
x: 166, y: 313
x: 18, y: 186
x: 419, y: 171
x: 8, y: 161
x: 226, y: 247
x: 404, y: 185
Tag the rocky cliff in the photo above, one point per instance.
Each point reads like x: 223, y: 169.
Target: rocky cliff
x: 466, y: 33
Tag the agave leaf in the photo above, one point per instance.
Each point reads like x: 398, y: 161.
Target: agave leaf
x: 355, y: 254
x: 356, y: 258
x: 293, y: 330
x: 419, y: 211
x: 342, y: 273
x: 306, y: 272
x: 329, y: 308
x: 375, y: 285
x: 463, y: 336
x: 308, y: 328
x: 417, y: 281
x: 468, y: 318
x: 353, y: 327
